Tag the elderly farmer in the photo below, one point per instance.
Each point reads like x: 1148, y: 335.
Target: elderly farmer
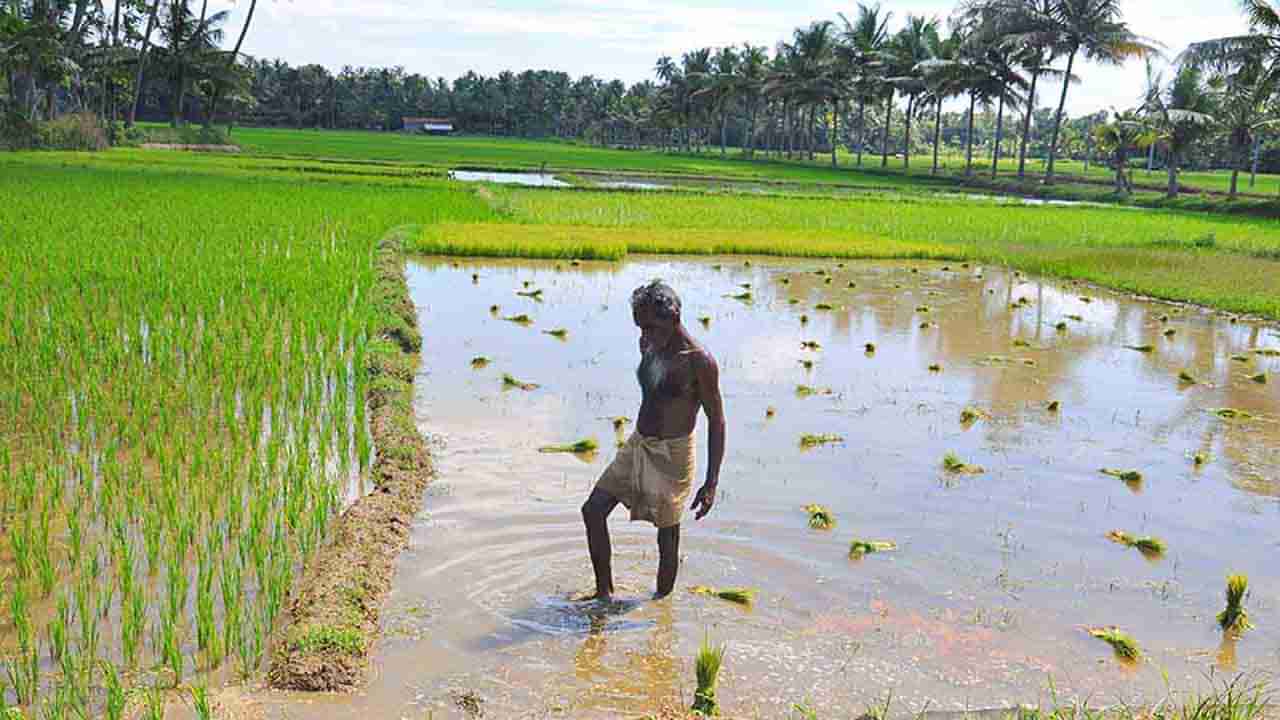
x: 653, y: 472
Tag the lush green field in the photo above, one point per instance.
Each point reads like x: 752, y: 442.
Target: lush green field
x: 1228, y: 262
x: 182, y: 385
x: 515, y: 153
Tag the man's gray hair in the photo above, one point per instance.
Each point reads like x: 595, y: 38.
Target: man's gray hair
x: 659, y: 297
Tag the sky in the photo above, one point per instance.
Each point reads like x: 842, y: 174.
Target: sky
x: 623, y: 38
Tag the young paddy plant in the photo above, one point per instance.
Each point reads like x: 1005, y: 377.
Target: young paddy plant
x: 1149, y: 546
x: 810, y: 440
x: 820, y: 517
x: 588, y: 445
x: 736, y: 595
x: 861, y: 548
x: 1125, y: 647
x: 953, y: 464
x: 509, y: 381
x: 557, y: 333
x: 707, y: 670
x: 1234, y: 618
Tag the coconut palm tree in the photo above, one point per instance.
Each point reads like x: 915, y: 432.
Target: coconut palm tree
x: 1092, y: 28
x: 1244, y: 110
x: 938, y: 87
x: 720, y: 87
x: 1125, y: 132
x: 1261, y: 45
x: 1180, y: 113
x: 917, y: 42
x: 863, y: 42
x: 751, y: 75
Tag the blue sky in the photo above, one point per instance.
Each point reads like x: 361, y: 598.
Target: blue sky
x: 623, y: 38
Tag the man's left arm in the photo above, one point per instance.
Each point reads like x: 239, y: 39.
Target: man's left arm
x: 713, y: 406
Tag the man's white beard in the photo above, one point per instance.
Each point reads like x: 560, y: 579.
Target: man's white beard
x: 653, y: 370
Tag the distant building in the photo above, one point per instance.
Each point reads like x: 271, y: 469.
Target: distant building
x: 434, y: 126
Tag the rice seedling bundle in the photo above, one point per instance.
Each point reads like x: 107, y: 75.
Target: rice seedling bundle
x: 1234, y: 618
x: 809, y: 440
x: 1125, y: 647
x: 953, y: 464
x: 509, y: 381
x: 707, y: 669
x: 859, y: 548
x: 739, y: 595
x: 820, y: 517
x: 582, y: 446
x: 1146, y: 544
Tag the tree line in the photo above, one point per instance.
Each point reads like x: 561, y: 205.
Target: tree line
x: 871, y: 83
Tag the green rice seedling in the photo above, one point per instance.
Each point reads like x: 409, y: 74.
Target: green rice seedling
x: 1141, y: 348
x: 705, y: 320
x: 810, y: 345
x: 707, y: 669
x: 1020, y: 343
x: 557, y: 333
x: 1077, y: 318
x: 1163, y: 318
x: 1060, y: 326
x: 953, y: 464
x: 851, y: 285
x: 520, y: 319
x: 1170, y: 332
x: 925, y: 325
x: 820, y: 517
x: 869, y: 348
x: 494, y: 309
x: 619, y: 423
x: 1129, y: 476
x: 806, y: 364
x: 1125, y: 647
x: 526, y: 283
x: 1199, y: 459
x: 1260, y: 378
x: 1085, y: 299
x: 793, y: 301
x: 508, y: 381
x: 923, y: 309
x: 739, y: 595
x: 970, y: 415
x: 809, y: 440
x: 809, y: 390
x: 153, y: 703
x: 1054, y: 406
x: 860, y: 548
x: 1267, y: 352
x: 200, y: 705
x: 746, y: 263
x: 935, y: 368
x: 115, y: 697
x: 1186, y: 378
x: 1234, y: 618
x: 480, y: 362
x: 744, y: 296
x: 822, y: 306
x: 827, y: 281
x: 587, y: 445
x: 745, y: 286
x: 784, y: 280
x: 1146, y: 544
x: 1227, y: 413
x: 717, y: 266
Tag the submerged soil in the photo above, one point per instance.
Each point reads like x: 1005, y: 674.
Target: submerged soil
x: 985, y: 600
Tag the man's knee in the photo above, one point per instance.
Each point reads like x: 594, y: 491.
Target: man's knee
x: 597, y: 507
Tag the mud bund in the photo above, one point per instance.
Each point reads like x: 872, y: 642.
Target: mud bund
x: 335, y: 605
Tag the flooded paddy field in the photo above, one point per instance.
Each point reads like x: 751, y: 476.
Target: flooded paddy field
x: 996, y: 574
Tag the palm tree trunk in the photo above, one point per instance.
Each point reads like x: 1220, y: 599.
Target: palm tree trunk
x: 724, y: 119
x: 142, y: 65
x: 813, y: 118
x: 1172, y: 162
x: 968, y: 139
x: 786, y: 128
x: 1235, y: 180
x: 937, y: 135
x: 1057, y: 119
x: 862, y: 126
x: 906, y: 146
x: 1026, y: 127
x: 884, y: 136
x: 995, y: 151
x: 1257, y: 157
x: 835, y: 129
x: 751, y: 132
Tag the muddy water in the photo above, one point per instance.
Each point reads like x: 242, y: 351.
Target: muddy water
x: 984, y: 602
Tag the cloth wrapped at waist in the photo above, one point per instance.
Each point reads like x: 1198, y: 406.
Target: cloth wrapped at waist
x: 652, y: 477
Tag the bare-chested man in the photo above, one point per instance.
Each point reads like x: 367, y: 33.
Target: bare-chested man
x: 654, y: 471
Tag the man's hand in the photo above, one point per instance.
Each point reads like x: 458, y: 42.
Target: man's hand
x: 704, y: 500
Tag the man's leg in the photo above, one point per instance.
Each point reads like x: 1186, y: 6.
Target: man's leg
x: 595, y: 515
x: 668, y: 559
